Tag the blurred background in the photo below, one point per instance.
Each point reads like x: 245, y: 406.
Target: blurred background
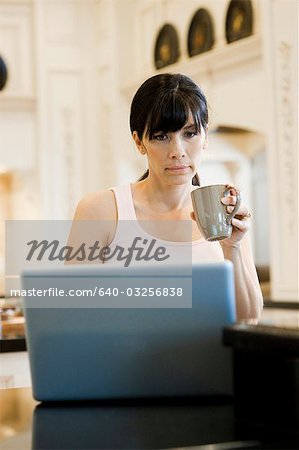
x: 69, y: 69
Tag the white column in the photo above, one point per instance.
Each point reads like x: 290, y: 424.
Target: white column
x: 281, y: 61
x: 62, y: 36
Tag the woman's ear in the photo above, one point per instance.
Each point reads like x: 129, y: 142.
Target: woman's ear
x: 139, y: 143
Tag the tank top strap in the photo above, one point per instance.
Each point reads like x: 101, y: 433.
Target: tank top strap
x: 124, y: 202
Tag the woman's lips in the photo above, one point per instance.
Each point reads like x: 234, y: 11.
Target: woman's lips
x: 177, y: 168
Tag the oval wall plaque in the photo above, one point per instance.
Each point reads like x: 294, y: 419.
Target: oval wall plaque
x: 239, y: 20
x: 167, y: 47
x: 3, y: 74
x: 201, y: 33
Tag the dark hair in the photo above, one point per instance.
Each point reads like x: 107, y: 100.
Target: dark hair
x: 163, y: 103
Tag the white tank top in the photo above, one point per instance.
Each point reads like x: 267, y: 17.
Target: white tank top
x: 128, y: 229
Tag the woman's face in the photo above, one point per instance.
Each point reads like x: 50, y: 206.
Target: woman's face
x: 174, y: 156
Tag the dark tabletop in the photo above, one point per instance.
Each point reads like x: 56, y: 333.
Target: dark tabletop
x: 132, y: 424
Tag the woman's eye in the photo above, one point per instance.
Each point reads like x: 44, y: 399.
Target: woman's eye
x: 191, y: 134
x: 160, y: 137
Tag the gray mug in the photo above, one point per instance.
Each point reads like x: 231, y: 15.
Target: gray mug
x: 211, y: 215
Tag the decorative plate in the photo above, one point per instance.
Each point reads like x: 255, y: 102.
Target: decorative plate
x: 167, y: 47
x: 239, y: 20
x: 201, y: 33
x: 3, y: 74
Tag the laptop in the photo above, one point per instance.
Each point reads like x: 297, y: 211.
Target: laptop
x: 123, y: 344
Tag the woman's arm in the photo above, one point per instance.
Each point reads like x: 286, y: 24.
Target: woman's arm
x: 249, y: 299
x: 94, y: 225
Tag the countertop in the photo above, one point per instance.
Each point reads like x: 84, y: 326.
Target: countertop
x: 12, y: 338
x: 145, y: 424
x: 156, y: 423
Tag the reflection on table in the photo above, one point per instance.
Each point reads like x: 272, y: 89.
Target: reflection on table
x: 131, y: 424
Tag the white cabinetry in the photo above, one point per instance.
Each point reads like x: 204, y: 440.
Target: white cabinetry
x: 18, y: 100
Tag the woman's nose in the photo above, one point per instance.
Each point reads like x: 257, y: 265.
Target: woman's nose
x: 177, y: 149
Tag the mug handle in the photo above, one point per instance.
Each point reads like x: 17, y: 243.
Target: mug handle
x: 227, y: 190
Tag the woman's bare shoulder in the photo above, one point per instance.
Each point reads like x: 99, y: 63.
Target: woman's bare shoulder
x: 97, y: 206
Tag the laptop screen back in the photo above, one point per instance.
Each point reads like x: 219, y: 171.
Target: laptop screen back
x: 90, y: 352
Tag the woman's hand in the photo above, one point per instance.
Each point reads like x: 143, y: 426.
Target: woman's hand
x: 240, y: 222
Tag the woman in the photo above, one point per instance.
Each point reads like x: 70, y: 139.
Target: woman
x: 169, y: 124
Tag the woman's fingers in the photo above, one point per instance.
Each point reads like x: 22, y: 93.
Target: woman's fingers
x: 229, y: 200
x: 242, y: 225
x: 242, y: 211
x: 243, y: 214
